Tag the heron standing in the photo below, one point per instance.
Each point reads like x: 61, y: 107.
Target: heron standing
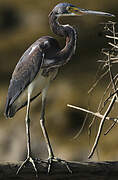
x: 39, y: 66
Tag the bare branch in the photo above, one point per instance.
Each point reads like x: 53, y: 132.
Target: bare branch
x: 115, y: 46
x: 97, y: 114
x: 112, y: 37
x: 113, y: 124
x: 83, y: 171
x: 101, y: 126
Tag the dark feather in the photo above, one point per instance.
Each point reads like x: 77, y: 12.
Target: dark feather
x: 27, y: 69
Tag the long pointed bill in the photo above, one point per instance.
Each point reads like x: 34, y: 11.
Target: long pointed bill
x: 75, y: 11
x: 99, y: 13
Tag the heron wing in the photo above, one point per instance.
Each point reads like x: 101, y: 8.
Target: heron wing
x: 24, y: 73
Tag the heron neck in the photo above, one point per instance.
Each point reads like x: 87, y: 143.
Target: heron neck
x: 66, y: 31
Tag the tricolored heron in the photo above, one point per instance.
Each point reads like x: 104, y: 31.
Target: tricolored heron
x: 39, y: 66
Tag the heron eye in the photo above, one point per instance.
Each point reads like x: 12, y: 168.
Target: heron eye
x: 68, y: 8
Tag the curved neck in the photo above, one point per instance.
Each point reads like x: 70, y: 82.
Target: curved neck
x: 65, y: 31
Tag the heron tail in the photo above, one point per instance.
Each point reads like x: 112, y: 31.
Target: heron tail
x: 10, y: 111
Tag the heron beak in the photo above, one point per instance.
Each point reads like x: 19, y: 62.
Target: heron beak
x: 80, y: 12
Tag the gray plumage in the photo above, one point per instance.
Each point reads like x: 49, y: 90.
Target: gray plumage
x: 27, y: 69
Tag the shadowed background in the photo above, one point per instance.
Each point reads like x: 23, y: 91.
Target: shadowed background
x: 21, y: 23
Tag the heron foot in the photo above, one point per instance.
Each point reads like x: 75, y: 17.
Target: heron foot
x: 55, y: 159
x: 28, y: 160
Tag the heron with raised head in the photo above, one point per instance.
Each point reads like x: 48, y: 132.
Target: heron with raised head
x: 38, y: 66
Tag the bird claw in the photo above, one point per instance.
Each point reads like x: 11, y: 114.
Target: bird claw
x: 54, y: 159
x: 28, y: 160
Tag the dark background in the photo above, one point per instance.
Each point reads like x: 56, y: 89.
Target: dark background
x: 21, y: 23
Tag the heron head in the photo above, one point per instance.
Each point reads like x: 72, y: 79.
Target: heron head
x: 66, y: 9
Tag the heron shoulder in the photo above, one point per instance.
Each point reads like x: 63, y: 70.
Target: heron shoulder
x: 48, y: 45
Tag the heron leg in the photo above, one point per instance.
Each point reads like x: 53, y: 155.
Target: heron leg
x: 44, y: 130
x: 29, y: 154
x: 51, y: 156
x: 42, y: 122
